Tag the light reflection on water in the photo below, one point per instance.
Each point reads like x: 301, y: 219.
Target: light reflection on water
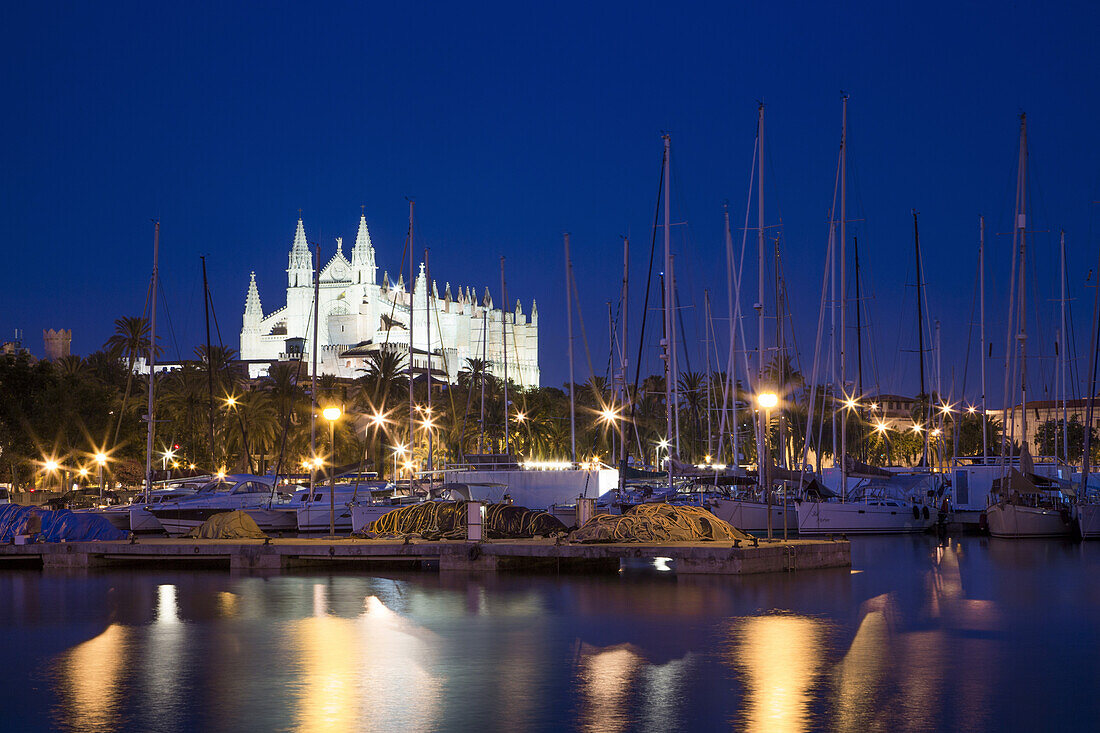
x: 779, y: 656
x: 960, y: 635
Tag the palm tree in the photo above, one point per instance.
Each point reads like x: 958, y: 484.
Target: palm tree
x: 130, y: 339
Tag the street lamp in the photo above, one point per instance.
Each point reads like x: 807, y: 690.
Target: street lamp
x: 398, y: 450
x: 332, y: 414
x: 766, y: 400
x: 101, y: 461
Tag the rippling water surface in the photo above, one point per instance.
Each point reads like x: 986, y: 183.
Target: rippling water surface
x: 966, y: 634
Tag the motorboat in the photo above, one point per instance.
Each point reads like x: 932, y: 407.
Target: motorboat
x: 894, y: 503
x: 135, y: 516
x: 1029, y: 505
x: 532, y: 484
x: 255, y: 495
x: 318, y: 510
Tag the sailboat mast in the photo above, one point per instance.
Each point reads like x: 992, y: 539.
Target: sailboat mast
x: 623, y: 362
x: 707, y: 344
x: 484, y: 366
x: 313, y: 369
x: 504, y: 348
x: 762, y: 427
x: 1094, y: 346
x: 668, y: 314
x: 428, y: 349
x: 842, y: 252
x: 920, y: 332
x: 209, y: 364
x: 731, y: 378
x: 859, y: 348
x: 569, y: 321
x: 150, y: 408
x: 1021, y: 226
x: 412, y: 312
x: 1062, y: 354
x: 671, y: 283
x: 981, y: 296
x: 611, y: 388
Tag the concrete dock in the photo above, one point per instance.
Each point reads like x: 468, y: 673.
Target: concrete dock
x: 445, y: 556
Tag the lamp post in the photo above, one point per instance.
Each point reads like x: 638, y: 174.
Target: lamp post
x: 100, y: 461
x: 332, y: 414
x: 398, y: 450
x: 766, y: 400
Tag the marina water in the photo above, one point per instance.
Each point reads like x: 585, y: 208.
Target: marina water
x: 965, y: 633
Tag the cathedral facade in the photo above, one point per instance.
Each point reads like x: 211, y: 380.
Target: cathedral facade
x: 358, y: 315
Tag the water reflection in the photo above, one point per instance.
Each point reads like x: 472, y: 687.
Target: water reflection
x: 90, y: 680
x: 780, y: 656
x: 368, y: 673
x: 606, y: 678
x: 950, y: 637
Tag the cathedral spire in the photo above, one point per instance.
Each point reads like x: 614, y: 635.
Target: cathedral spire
x: 299, y: 267
x: 362, y: 254
x: 253, y: 311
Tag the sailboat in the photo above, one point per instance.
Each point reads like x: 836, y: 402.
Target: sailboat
x: 1024, y: 504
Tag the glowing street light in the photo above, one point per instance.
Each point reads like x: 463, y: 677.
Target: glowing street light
x: 378, y: 419
x: 50, y: 467
x: 851, y: 404
x: 332, y: 414
x: 917, y: 428
x: 100, y: 461
x: 230, y: 401
x: 609, y: 415
x: 880, y: 426
x: 970, y: 409
x: 766, y: 400
x: 398, y: 450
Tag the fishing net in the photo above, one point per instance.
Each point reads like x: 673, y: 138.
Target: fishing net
x: 446, y: 520
x: 228, y: 526
x: 658, y: 523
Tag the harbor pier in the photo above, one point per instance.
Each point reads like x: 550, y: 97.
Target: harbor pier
x: 544, y: 555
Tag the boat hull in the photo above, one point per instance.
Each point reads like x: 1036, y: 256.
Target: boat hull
x: 752, y: 516
x: 178, y: 521
x: 316, y: 517
x: 816, y: 518
x: 1012, y: 521
x: 1088, y: 520
x: 363, y: 514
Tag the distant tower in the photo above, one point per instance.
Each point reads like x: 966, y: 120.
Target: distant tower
x: 57, y: 343
x: 253, y: 315
x: 362, y: 255
x: 299, y: 271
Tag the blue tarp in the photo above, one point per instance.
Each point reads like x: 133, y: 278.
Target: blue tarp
x: 56, y: 526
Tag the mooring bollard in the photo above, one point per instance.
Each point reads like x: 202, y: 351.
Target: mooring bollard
x: 475, y: 515
x: 586, y: 509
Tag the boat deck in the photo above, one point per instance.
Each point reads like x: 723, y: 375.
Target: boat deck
x: 445, y: 556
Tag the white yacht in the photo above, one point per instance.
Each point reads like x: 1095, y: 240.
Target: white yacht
x: 314, y: 511
x: 532, y: 484
x: 135, y: 516
x: 254, y: 495
x: 899, y: 503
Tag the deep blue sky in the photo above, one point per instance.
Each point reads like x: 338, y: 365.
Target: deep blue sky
x: 511, y: 124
